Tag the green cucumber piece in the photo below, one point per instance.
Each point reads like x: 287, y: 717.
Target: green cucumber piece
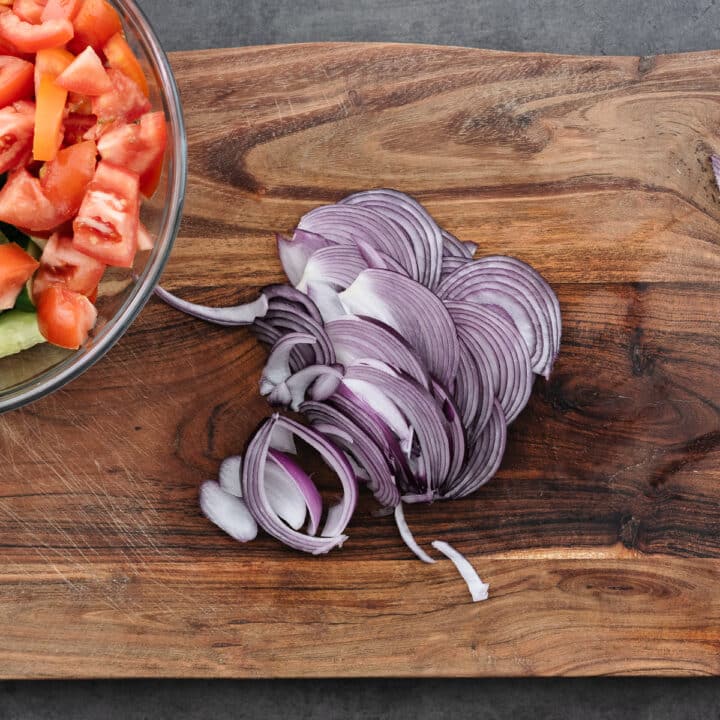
x: 24, y: 302
x: 18, y: 331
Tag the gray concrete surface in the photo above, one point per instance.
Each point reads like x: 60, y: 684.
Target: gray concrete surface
x: 567, y: 26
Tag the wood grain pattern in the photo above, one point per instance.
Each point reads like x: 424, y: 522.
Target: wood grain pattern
x: 598, y: 537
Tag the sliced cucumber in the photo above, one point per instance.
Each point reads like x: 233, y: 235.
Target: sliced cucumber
x: 24, y: 301
x: 18, y: 331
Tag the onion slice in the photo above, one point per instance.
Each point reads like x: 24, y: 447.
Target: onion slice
x: 277, y: 368
x: 303, y: 484
x: 243, y: 314
x: 409, y: 215
x: 407, y: 536
x: 229, y: 475
x: 255, y: 495
x: 227, y: 511
x: 478, y: 589
x: 358, y: 445
x: 413, y: 311
x: 360, y: 338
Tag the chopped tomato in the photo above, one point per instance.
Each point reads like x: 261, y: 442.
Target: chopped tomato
x: 65, y: 318
x: 58, y: 9
x: 95, y: 23
x: 29, y: 10
x: 65, y: 179
x: 30, y: 38
x: 145, y: 239
x: 85, y: 75
x: 50, y: 105
x: 76, y: 125
x: 16, y: 268
x: 51, y: 61
x: 106, y: 227
x: 124, y: 103
x: 24, y: 205
x: 139, y: 147
x: 16, y: 79
x: 17, y: 123
x: 120, y: 56
x: 62, y: 263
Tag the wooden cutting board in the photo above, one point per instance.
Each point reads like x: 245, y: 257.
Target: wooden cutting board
x: 599, y: 537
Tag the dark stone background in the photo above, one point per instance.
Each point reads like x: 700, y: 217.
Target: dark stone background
x: 585, y: 27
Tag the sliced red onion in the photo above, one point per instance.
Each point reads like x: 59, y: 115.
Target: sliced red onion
x: 357, y: 338
x: 451, y: 264
x: 243, y: 314
x: 283, y: 440
x: 364, y: 416
x: 256, y: 498
x: 358, y: 445
x: 288, y: 319
x: 411, y: 309
x: 535, y: 286
x: 407, y: 536
x: 452, y: 247
x: 377, y: 259
x: 455, y: 432
x: 485, y: 453
x: 409, y: 215
x: 284, y: 497
x: 522, y: 293
x: 384, y: 407
x: 283, y: 294
x: 327, y: 300
x: 478, y: 589
x: 348, y: 225
x: 296, y: 251
x: 228, y: 512
x: 229, y: 475
x: 312, y: 500
x: 484, y: 332
x: 336, y: 265
x: 422, y: 413
x: 277, y: 368
x: 293, y: 392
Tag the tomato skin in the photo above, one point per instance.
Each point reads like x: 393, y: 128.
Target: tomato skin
x: 65, y: 318
x: 28, y: 38
x: 17, y: 124
x: 59, y: 9
x: 106, y: 226
x: 95, y: 23
x: 62, y: 263
x: 16, y: 79
x: 124, y: 103
x: 24, y: 205
x: 120, y: 56
x: 16, y: 268
x: 29, y: 10
x: 139, y: 147
x: 65, y: 179
x: 86, y: 75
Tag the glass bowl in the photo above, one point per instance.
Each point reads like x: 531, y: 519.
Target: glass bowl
x: 32, y: 374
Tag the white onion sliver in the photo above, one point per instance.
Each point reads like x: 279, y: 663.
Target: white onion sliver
x: 478, y: 589
x: 228, y: 512
x: 229, y: 475
x: 283, y: 495
x: 407, y: 536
